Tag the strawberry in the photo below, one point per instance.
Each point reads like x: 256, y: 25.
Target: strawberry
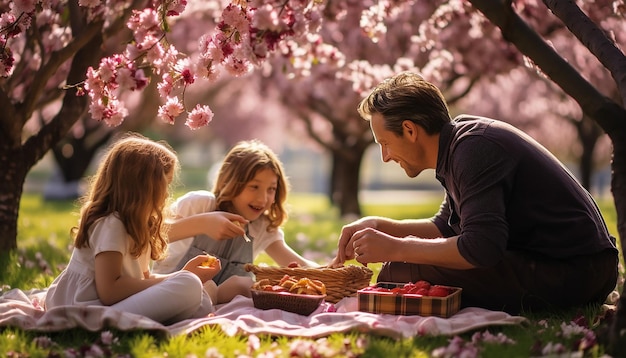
x: 419, y: 291
x: 422, y: 284
x: 438, y: 291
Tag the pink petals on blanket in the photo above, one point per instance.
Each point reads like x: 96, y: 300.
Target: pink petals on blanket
x: 22, y: 309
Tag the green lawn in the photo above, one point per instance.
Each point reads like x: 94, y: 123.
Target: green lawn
x: 313, y: 229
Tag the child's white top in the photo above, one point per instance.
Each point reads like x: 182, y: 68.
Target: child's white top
x: 76, y: 285
x: 202, y: 201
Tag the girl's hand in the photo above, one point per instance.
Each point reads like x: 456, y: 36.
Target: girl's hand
x: 205, y: 272
x: 222, y: 225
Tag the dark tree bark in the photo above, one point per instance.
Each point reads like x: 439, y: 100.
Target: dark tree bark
x: 345, y: 179
x: 588, y: 132
x: 19, y: 159
x: 350, y: 139
x: 74, y: 153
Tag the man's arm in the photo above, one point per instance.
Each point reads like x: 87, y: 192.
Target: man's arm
x: 423, y: 228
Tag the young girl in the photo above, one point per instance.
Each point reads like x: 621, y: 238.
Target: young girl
x: 121, y: 229
x: 247, y: 211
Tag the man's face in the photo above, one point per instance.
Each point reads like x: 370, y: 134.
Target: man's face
x: 405, y: 149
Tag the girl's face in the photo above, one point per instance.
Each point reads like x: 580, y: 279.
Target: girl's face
x: 257, y: 195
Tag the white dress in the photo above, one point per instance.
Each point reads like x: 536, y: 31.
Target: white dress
x: 202, y: 201
x: 76, y: 284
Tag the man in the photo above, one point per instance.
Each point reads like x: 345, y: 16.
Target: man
x: 516, y: 230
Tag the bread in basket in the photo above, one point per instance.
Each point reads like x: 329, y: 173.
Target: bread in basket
x: 340, y: 282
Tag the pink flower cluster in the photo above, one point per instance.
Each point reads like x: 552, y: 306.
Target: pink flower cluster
x: 12, y: 24
x: 246, y: 34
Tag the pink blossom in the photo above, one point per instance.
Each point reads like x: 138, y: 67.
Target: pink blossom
x: 254, y: 343
x: 237, y: 18
x: 131, y: 79
x: 170, y: 110
x: 89, y: 3
x: 200, y: 116
x: 6, y: 62
x: 115, y: 113
x: 125, y: 79
x: 141, y: 80
x: 96, y: 109
x: 107, y: 338
x: 6, y: 21
x: 266, y: 18
x: 166, y: 85
x: 166, y: 60
x: 94, y: 83
x: 23, y: 6
x: 213, y: 352
x: 182, y: 66
x: 457, y: 347
x: 175, y: 7
x: 43, y: 342
x: 216, y: 52
x: 553, y: 349
x: 144, y: 22
x: 237, y: 67
x: 108, y: 68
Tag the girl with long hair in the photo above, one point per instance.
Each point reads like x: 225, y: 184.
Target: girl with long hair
x: 122, y: 228
x: 246, y: 210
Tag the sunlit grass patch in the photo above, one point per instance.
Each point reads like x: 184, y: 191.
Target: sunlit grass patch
x: 312, y: 229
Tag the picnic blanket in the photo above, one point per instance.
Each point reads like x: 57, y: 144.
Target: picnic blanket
x: 23, y: 309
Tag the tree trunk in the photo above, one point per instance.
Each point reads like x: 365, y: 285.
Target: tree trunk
x: 19, y: 158
x: 74, y: 153
x: 589, y: 132
x: 73, y: 156
x: 11, y: 187
x: 345, y: 179
x: 617, y: 336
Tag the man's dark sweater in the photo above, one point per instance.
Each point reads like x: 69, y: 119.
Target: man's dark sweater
x: 504, y: 191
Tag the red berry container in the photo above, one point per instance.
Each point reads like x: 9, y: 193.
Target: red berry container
x: 388, y: 302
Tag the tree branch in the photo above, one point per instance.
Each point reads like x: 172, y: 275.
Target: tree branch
x: 527, y: 41
x: 594, y: 38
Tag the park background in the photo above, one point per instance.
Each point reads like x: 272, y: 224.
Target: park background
x: 542, y: 66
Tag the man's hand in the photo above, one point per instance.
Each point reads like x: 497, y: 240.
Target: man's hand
x: 370, y: 245
x: 345, y: 248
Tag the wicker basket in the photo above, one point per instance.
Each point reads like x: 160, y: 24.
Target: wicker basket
x: 340, y: 282
x: 291, y: 302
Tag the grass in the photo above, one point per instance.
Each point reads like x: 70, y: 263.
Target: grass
x: 313, y: 229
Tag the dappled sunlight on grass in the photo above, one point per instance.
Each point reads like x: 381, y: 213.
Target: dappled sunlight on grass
x: 313, y: 229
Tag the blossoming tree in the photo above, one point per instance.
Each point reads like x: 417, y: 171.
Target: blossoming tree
x: 53, y: 50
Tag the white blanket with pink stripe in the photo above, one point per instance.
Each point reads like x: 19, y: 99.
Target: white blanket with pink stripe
x: 22, y: 309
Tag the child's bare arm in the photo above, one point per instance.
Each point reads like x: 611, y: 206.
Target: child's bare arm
x: 218, y: 225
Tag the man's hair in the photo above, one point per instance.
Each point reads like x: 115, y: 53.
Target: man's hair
x: 407, y: 96
x: 240, y: 166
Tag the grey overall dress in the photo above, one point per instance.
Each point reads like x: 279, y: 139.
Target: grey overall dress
x: 233, y: 254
